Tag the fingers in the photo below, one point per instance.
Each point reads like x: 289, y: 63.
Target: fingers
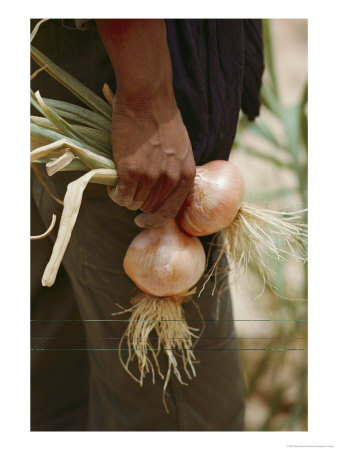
x: 159, y: 197
x: 168, y: 210
x: 144, y: 189
x: 132, y: 195
x: 163, y: 188
x: 123, y: 193
x: 148, y: 193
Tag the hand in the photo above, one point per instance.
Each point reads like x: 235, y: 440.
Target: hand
x: 151, y: 146
x: 153, y: 157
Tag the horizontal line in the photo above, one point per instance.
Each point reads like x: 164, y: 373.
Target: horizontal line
x: 170, y: 320
x: 155, y: 338
x: 156, y: 349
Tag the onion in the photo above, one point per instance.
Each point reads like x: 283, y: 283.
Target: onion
x: 215, y: 199
x: 245, y: 233
x: 164, y: 261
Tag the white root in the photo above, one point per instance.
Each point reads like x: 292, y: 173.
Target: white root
x: 164, y: 317
x: 257, y: 234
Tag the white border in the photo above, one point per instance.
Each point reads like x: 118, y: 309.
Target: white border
x: 323, y: 190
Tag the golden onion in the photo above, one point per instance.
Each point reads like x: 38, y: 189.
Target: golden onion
x: 165, y: 261
x: 215, y: 200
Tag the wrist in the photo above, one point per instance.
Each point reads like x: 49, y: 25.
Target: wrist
x: 150, y: 82
x: 147, y: 99
x: 140, y: 57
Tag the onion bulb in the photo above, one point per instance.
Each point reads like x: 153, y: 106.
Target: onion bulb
x: 245, y: 233
x: 215, y: 199
x: 164, y: 261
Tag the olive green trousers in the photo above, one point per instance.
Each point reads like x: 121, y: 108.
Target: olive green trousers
x: 77, y: 380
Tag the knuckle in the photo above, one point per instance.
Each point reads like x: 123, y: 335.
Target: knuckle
x: 188, y: 176
x: 171, y: 178
x: 127, y: 172
x: 151, y: 176
x: 122, y: 172
x: 132, y: 171
x: 122, y: 189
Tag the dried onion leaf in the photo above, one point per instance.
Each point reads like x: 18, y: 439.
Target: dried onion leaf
x: 72, y: 203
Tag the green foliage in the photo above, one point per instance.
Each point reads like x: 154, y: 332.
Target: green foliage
x: 287, y: 151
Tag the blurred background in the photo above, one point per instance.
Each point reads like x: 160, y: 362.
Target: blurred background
x: 272, y: 156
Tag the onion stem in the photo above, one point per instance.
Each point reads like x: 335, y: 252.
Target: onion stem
x: 60, y: 163
x: 92, y: 160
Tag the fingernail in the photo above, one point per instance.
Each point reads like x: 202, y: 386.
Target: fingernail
x: 148, y: 221
x: 136, y: 206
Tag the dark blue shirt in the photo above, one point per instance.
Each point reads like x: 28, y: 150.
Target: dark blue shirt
x: 217, y: 69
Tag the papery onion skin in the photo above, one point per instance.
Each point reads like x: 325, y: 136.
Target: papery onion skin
x: 165, y: 261
x: 215, y: 200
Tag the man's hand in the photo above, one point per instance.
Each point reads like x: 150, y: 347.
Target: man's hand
x: 150, y: 143
x: 154, y: 159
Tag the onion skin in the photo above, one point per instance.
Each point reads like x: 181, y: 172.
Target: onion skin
x: 165, y: 261
x: 215, y: 200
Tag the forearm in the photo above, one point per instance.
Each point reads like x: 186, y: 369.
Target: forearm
x: 151, y: 147
x: 140, y: 57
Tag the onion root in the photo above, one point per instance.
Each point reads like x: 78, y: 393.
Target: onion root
x: 257, y: 234
x: 164, y: 317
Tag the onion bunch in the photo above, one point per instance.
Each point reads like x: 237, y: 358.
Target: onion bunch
x: 246, y: 233
x: 166, y: 262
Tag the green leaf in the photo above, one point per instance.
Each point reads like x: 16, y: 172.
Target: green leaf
x: 35, y: 103
x: 273, y: 195
x: 291, y: 119
x: 261, y: 128
x: 271, y: 102
x: 36, y: 28
x: 81, y: 91
x: 49, y: 136
x: 96, y: 136
x: 61, y: 124
x: 266, y: 157
x: 79, y: 114
x: 303, y: 117
x: 268, y: 56
x: 77, y: 164
x: 67, y: 129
